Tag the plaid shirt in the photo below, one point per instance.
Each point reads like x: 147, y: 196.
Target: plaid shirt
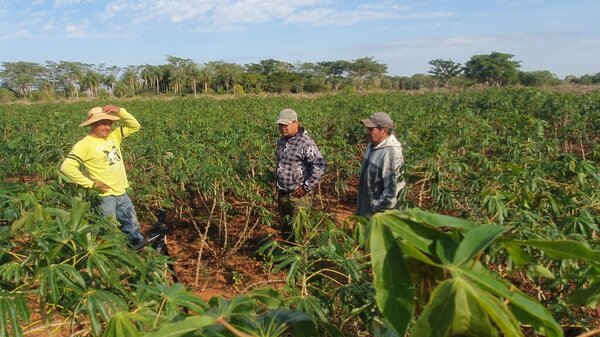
x: 299, y: 163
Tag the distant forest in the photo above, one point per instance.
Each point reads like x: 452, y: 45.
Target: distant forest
x: 180, y: 76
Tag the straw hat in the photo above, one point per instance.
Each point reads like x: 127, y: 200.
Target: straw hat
x: 96, y: 114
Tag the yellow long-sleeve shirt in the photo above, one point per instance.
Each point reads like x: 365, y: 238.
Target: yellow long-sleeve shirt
x: 101, y: 158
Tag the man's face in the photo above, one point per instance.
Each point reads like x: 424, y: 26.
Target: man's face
x: 102, y: 128
x: 377, y: 135
x: 289, y: 130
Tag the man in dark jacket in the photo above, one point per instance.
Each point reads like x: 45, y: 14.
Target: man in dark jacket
x: 300, y: 166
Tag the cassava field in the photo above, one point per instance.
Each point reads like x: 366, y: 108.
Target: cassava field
x: 497, y: 232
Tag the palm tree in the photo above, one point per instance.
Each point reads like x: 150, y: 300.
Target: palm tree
x: 151, y: 74
x: 73, y: 74
x: 194, y: 75
x: 130, y: 79
x: 109, y: 78
x: 91, y: 80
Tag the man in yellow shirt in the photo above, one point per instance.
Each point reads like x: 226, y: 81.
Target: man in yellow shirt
x: 96, y: 162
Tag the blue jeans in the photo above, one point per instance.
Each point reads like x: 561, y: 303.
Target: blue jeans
x: 120, y: 207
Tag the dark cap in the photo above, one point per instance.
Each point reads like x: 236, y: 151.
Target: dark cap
x: 379, y: 120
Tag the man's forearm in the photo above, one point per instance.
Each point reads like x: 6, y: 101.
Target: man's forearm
x: 130, y: 122
x: 70, y: 167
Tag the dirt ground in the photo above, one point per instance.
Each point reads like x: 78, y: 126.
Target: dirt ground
x: 208, y: 269
x: 238, y: 273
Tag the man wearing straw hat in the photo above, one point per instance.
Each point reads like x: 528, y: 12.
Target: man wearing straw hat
x: 99, y: 154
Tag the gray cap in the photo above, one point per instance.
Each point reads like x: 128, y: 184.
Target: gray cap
x: 379, y: 120
x: 286, y: 116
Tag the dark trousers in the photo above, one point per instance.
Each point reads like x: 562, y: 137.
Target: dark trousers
x: 288, y: 206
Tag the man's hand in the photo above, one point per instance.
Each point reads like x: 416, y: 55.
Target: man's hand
x: 101, y: 186
x: 111, y: 109
x: 299, y: 192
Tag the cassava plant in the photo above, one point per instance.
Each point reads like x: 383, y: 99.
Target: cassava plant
x: 466, y: 298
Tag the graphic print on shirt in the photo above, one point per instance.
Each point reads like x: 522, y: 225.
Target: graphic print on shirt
x: 112, y: 156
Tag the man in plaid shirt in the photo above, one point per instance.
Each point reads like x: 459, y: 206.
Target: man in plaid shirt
x: 300, y: 165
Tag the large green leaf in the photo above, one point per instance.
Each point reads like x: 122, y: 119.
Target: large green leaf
x: 413, y: 252
x: 565, y: 249
x: 308, y: 303
x: 105, y: 258
x: 437, y: 220
x: 499, y: 313
x: 525, y: 308
x: 79, y: 209
x: 518, y: 257
x: 436, y: 319
x: 391, y: 279
x: 13, y: 310
x: 301, y: 323
x: 100, y: 304
x: 417, y: 234
x: 57, y: 280
x: 186, y: 326
x: 176, y: 295
x: 475, y: 241
x: 238, y: 306
x: 120, y: 326
x: 270, y: 297
x: 470, y: 319
x: 12, y: 271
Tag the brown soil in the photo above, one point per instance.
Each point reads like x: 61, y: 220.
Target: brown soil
x: 239, y: 268
x: 234, y: 271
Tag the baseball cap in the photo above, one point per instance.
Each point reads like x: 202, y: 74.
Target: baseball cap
x: 378, y: 120
x: 286, y: 116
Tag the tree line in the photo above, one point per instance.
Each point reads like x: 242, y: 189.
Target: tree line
x: 180, y: 76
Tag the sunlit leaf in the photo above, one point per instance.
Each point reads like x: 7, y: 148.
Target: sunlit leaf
x: 391, y: 279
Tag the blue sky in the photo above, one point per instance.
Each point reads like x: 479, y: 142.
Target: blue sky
x: 562, y: 36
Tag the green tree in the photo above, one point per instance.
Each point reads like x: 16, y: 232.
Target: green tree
x: 195, y: 75
x: 204, y: 77
x: 537, y: 78
x: 492, y: 69
x: 364, y: 69
x: 71, y: 74
x: 313, y: 77
x: 51, y: 77
x: 231, y: 74
x: 335, y: 71
x: 586, y: 79
x: 21, y: 76
x: 211, y: 70
x: 445, y: 70
x: 268, y: 67
x: 283, y: 82
x: 128, y: 82
x: 178, y: 73
x: 225, y: 74
x: 253, y: 82
x: 110, y: 77
x: 91, y: 81
x: 151, y: 76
